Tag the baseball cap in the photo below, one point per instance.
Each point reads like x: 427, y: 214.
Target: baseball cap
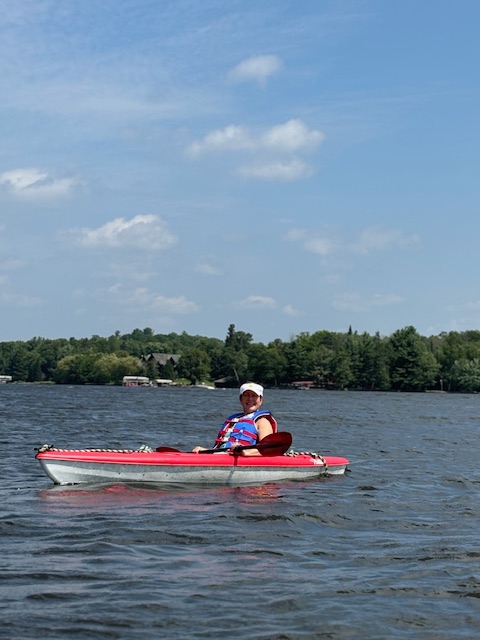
x: 251, y: 386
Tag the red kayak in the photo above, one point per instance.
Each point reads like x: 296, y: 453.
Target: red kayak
x: 166, y: 465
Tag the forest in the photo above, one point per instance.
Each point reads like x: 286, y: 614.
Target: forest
x: 402, y: 361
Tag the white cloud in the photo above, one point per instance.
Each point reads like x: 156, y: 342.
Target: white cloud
x: 148, y: 232
x: 290, y: 136
x: 356, y: 302
x: 232, y: 138
x: 296, y: 235
x: 20, y: 179
x: 321, y: 244
x: 368, y: 241
x: 277, y: 171
x: 208, y: 269
x: 272, y: 149
x: 257, y: 302
x: 375, y: 238
x: 138, y: 268
x: 12, y: 264
x: 18, y: 300
x: 14, y: 299
x: 256, y: 69
x: 288, y: 310
x: 176, y: 306
x: 35, y: 183
x: 142, y: 299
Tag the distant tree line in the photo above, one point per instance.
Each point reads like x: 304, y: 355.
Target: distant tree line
x: 403, y: 361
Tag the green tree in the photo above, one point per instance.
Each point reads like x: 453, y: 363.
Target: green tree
x: 110, y: 368
x: 18, y: 367
x: 76, y: 369
x: 237, y: 340
x: 451, y: 348
x: 231, y: 361
x: 34, y: 368
x: 340, y: 372
x: 50, y: 352
x: 412, y: 366
x: 234, y: 365
x: 302, y: 360
x: 266, y: 364
x: 372, y: 371
x: 466, y: 375
x: 194, y: 365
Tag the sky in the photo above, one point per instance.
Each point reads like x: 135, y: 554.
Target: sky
x: 284, y: 166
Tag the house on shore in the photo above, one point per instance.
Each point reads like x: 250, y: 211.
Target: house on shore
x: 164, y: 363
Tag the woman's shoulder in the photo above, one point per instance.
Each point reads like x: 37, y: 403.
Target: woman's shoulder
x: 235, y: 415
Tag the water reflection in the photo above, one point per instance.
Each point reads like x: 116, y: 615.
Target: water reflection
x: 99, y: 497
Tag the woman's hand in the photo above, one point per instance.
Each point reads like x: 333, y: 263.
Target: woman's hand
x: 197, y: 449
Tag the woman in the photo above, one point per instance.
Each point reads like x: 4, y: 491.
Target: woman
x: 246, y: 428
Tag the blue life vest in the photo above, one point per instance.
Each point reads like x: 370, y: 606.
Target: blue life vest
x: 240, y: 429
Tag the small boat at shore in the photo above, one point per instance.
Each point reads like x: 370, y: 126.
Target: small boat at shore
x: 166, y: 465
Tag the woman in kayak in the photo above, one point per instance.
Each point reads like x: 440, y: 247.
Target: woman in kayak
x: 246, y: 428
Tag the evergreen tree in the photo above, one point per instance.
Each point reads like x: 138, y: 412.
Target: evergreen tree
x: 412, y: 367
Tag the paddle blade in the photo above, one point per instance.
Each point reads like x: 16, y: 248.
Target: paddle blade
x: 276, y: 444
x: 167, y: 450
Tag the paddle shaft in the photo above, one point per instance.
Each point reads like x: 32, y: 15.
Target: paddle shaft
x: 280, y: 441
x: 274, y: 444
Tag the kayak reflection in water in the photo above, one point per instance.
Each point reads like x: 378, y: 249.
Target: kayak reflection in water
x: 246, y: 428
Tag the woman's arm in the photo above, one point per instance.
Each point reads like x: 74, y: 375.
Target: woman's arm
x: 265, y: 429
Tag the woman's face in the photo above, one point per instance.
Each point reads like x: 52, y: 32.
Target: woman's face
x: 250, y: 401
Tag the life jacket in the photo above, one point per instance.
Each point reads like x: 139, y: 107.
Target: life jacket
x: 240, y: 429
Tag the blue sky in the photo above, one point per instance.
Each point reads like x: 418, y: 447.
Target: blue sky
x: 280, y: 165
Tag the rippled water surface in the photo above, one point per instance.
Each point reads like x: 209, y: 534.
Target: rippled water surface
x: 391, y: 550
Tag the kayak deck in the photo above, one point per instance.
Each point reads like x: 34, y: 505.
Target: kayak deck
x: 89, y: 465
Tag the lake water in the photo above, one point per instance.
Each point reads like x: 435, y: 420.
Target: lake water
x: 389, y: 551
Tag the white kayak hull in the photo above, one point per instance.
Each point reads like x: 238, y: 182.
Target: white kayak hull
x: 82, y: 467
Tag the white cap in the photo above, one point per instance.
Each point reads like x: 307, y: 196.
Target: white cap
x: 251, y: 386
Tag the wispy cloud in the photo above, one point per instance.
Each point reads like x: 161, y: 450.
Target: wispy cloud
x: 291, y: 136
x: 264, y: 303
x: 142, y: 298
x: 275, y: 150
x: 256, y: 69
x: 358, y: 303
x: 277, y: 171
x: 36, y: 183
x: 12, y: 264
x: 320, y: 243
x: 208, y: 269
x: 257, y: 302
x: 377, y: 239
x: 231, y: 138
x: 288, y: 310
x: 374, y: 239
x: 148, y: 232
x: 17, y: 300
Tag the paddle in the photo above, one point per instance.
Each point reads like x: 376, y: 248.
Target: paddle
x: 276, y: 444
